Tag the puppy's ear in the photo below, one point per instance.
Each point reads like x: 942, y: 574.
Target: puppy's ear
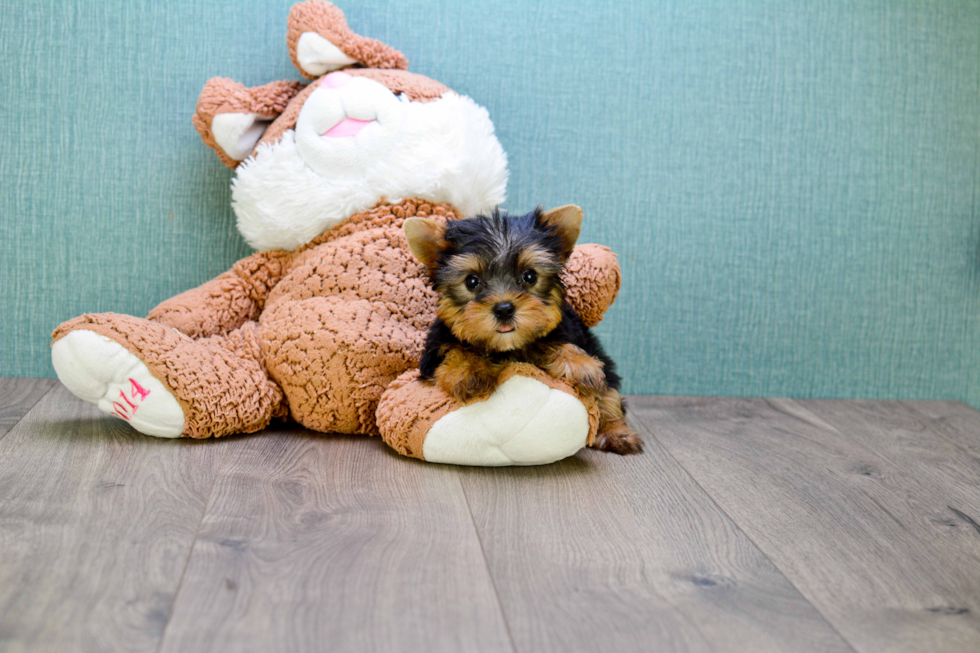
x: 425, y: 239
x: 566, y: 221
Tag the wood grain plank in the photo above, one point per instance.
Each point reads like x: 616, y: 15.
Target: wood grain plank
x: 96, y: 524
x: 852, y: 510
x: 314, y: 542
x: 941, y: 479
x: 607, y: 553
x: 955, y: 422
x: 17, y: 396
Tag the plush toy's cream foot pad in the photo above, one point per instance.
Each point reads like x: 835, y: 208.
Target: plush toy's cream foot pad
x: 530, y: 419
x: 524, y: 422
x: 103, y: 372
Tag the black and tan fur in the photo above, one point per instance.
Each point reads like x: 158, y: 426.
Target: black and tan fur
x: 501, y: 300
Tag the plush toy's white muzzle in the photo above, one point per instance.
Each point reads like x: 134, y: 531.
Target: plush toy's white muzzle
x: 310, y: 180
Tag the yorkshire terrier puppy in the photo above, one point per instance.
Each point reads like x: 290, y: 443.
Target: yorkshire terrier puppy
x: 501, y: 300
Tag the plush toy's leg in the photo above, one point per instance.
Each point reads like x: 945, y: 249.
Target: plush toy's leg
x: 163, y: 382
x: 334, y: 357
x: 103, y: 372
x: 530, y: 419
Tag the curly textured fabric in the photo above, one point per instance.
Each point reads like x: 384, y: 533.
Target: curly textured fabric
x: 410, y: 406
x: 349, y: 315
x: 226, y: 302
x: 287, y: 119
x: 592, y: 281
x: 418, y: 88
x: 324, y: 330
x: 328, y: 21
x: 221, y: 95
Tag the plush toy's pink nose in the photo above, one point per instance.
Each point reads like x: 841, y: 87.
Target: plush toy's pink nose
x: 336, y: 80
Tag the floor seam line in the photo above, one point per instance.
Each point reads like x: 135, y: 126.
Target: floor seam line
x: 190, y: 554
x: 28, y: 411
x: 486, y: 564
x: 738, y: 526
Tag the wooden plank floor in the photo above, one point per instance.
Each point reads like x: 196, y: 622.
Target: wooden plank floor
x: 747, y: 525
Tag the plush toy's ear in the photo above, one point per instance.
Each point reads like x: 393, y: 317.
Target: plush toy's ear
x: 320, y: 41
x: 425, y: 239
x: 567, y: 223
x: 231, y: 117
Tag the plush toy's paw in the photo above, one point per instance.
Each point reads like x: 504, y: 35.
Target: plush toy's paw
x: 619, y: 438
x: 103, y: 372
x: 530, y: 419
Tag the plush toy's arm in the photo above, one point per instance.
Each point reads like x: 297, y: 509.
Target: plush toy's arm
x: 592, y: 279
x: 227, y: 301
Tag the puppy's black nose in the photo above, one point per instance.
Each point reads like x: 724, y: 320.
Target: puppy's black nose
x: 504, y: 310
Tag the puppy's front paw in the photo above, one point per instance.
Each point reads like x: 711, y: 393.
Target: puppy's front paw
x: 618, y: 437
x: 466, y: 376
x: 464, y: 388
x: 578, y: 368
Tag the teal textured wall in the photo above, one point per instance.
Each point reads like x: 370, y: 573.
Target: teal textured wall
x: 792, y: 187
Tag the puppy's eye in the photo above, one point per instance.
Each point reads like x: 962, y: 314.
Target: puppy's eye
x: 472, y: 282
x: 530, y: 277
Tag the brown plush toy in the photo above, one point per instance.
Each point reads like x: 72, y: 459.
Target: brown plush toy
x: 327, y: 323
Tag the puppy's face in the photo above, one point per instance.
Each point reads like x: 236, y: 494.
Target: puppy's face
x: 498, y: 278
x: 501, y: 301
